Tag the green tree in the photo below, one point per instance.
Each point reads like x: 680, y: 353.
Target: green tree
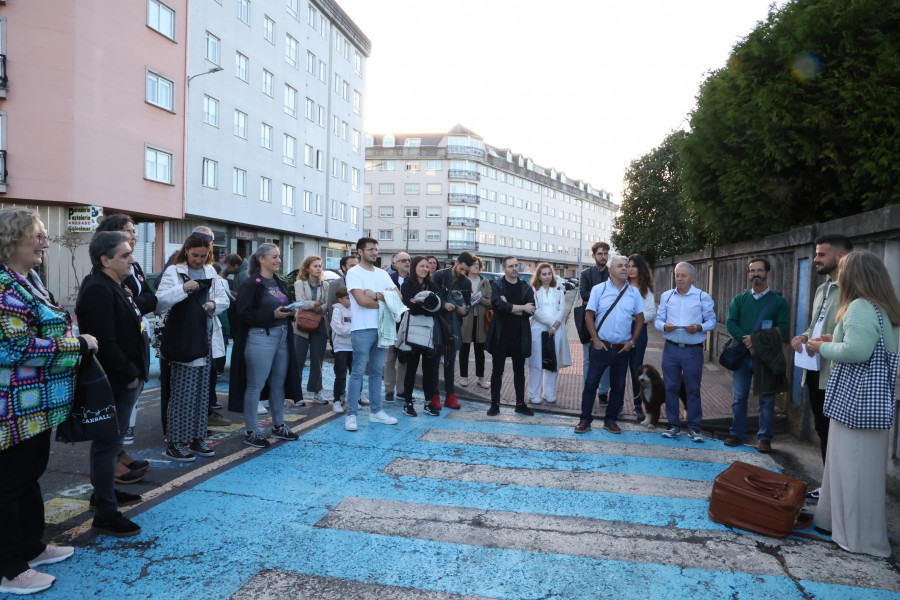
x: 655, y: 219
x: 801, y: 124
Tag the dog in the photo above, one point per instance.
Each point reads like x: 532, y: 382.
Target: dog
x: 653, y: 394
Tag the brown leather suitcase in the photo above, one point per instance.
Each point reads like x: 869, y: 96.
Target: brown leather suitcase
x: 756, y: 499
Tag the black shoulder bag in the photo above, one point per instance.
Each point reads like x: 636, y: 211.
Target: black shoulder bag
x: 735, y: 352
x: 185, y: 336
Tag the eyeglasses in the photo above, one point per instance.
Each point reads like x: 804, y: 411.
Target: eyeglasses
x: 42, y: 237
x: 203, y: 236
x: 404, y: 260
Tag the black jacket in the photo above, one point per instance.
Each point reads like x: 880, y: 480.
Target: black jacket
x: 105, y: 311
x: 146, y: 300
x: 446, y: 283
x: 769, y: 364
x: 589, y: 278
x: 495, y: 332
x: 248, y: 315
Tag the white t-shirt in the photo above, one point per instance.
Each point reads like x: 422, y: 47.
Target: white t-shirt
x: 360, y: 279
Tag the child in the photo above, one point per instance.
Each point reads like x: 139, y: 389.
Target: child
x: 343, y: 349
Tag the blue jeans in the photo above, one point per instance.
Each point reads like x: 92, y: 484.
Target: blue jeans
x: 635, y: 362
x: 740, y: 386
x: 605, y: 361
x: 688, y: 362
x: 265, y: 358
x: 603, y: 388
x: 365, y: 352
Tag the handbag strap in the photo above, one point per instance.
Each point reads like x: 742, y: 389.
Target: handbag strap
x: 609, y: 310
x: 762, y: 312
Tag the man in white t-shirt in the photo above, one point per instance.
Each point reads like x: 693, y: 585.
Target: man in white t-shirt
x: 366, y: 282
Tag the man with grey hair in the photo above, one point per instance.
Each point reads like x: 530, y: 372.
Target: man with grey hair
x: 392, y: 372
x: 684, y: 316
x: 614, y: 316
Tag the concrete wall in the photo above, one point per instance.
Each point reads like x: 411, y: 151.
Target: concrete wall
x: 722, y: 272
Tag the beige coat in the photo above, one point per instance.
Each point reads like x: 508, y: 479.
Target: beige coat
x: 303, y: 293
x: 478, y: 312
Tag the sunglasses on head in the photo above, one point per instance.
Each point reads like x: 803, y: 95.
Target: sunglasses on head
x: 202, y: 236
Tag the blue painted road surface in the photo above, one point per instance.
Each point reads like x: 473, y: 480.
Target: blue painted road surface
x: 464, y: 506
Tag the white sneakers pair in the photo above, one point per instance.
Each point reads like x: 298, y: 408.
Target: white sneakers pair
x: 379, y: 417
x: 31, y: 581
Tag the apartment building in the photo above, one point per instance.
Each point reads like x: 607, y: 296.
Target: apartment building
x: 443, y: 193
x: 90, y: 101
x: 274, y: 127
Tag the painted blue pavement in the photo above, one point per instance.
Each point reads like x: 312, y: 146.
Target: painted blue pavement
x: 208, y: 541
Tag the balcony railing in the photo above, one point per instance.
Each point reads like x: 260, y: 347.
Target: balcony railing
x: 470, y: 198
x: 462, y: 221
x: 3, y: 79
x: 462, y: 245
x: 479, y: 152
x: 2, y: 166
x: 464, y: 174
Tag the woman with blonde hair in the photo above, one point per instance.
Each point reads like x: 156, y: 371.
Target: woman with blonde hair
x: 550, y: 316
x: 859, y: 403
x: 310, y: 290
x: 474, y: 326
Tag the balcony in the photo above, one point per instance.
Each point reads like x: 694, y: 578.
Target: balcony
x: 462, y: 245
x: 467, y: 150
x: 462, y: 222
x: 468, y: 198
x: 464, y: 174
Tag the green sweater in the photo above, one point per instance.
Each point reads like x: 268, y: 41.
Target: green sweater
x: 744, y: 310
x: 857, y: 333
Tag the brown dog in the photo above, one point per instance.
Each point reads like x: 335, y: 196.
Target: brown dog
x: 653, y: 394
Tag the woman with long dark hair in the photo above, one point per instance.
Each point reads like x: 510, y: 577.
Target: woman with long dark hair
x: 640, y: 277
x: 419, y: 280
x: 474, y: 326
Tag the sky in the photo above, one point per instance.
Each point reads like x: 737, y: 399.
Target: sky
x: 582, y: 86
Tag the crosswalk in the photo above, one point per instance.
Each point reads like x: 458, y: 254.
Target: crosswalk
x: 465, y: 506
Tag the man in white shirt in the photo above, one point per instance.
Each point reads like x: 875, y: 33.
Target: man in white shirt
x: 366, y: 282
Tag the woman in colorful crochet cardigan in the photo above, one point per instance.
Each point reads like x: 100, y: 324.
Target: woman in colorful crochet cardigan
x: 38, y: 356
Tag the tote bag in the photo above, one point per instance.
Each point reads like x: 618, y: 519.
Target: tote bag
x: 93, y: 415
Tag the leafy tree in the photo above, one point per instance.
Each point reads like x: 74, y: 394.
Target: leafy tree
x: 801, y: 124
x: 655, y: 219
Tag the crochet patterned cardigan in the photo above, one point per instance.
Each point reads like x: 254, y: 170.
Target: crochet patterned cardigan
x: 38, y: 356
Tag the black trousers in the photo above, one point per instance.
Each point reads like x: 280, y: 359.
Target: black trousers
x: 817, y: 403
x: 21, y: 503
x: 430, y: 369
x: 510, y: 350
x: 343, y: 363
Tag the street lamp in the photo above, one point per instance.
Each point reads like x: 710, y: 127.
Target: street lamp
x: 213, y: 70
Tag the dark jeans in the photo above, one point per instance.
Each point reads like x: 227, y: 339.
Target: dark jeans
x: 314, y: 346
x: 817, y: 403
x: 689, y: 363
x: 449, y: 369
x: 617, y: 363
x: 430, y: 369
x: 105, y: 453
x: 21, y: 503
x: 343, y: 363
x: 636, y: 361
x: 464, y: 360
x: 518, y: 363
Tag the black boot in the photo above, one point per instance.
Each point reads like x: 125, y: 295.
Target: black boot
x: 494, y: 410
x: 523, y: 409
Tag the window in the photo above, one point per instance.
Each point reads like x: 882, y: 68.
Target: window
x: 336, y: 126
x: 412, y: 235
x: 385, y: 235
x: 354, y: 217
x: 210, y: 173
x: 357, y: 101
x: 310, y: 62
x: 385, y: 188
x: 387, y: 165
x: 291, y: 51
x: 321, y: 118
x: 265, y: 136
x: 310, y: 109
x: 335, y: 167
x: 269, y: 30
x: 354, y: 179
x: 433, y: 211
x: 345, y: 92
x: 345, y: 131
x: 161, y: 18
x: 319, y: 202
x: 160, y: 91
x: 212, y: 48
x: 309, y: 155
x: 412, y: 143
x: 210, y: 111
x: 356, y: 136
x: 432, y: 235
x: 411, y: 189
x: 268, y: 84
x: 412, y: 165
x: 357, y: 63
x: 241, y: 67
x: 411, y: 211
x: 322, y: 70
x: 386, y: 211
x: 287, y: 199
x: 239, y: 182
x: 293, y: 8
x: 290, y: 150
x: 387, y: 141
x: 334, y: 209
x: 433, y: 188
x: 157, y: 165
x: 240, y: 124
x: 323, y: 26
x: 307, y: 201
x: 312, y: 17
x: 435, y: 165
x: 337, y: 83
x: 344, y: 171
x: 367, y: 189
x: 243, y: 11
x: 290, y: 100
x: 320, y: 162
x: 265, y: 189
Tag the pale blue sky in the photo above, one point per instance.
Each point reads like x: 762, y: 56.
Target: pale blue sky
x: 582, y: 86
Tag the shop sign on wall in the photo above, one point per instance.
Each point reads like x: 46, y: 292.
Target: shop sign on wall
x: 84, y: 219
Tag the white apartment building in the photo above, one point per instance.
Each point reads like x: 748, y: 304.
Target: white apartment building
x: 274, y: 127
x: 442, y: 193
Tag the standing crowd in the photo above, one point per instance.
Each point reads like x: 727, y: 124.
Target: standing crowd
x: 382, y: 326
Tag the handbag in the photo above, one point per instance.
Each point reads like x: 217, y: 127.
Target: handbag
x: 184, y: 336
x: 308, y: 321
x: 861, y: 395
x: 488, y: 317
x: 548, y: 352
x: 735, y: 352
x: 93, y: 414
x: 584, y: 334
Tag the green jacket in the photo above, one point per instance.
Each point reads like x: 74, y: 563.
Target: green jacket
x: 831, y: 309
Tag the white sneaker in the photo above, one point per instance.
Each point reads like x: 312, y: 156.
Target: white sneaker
x: 551, y: 400
x: 338, y: 407
x: 535, y: 400
x: 52, y: 554
x: 382, y: 417
x: 363, y: 401
x: 27, y: 582
x: 350, y: 423
x: 261, y: 410
x: 464, y: 382
x: 319, y: 398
